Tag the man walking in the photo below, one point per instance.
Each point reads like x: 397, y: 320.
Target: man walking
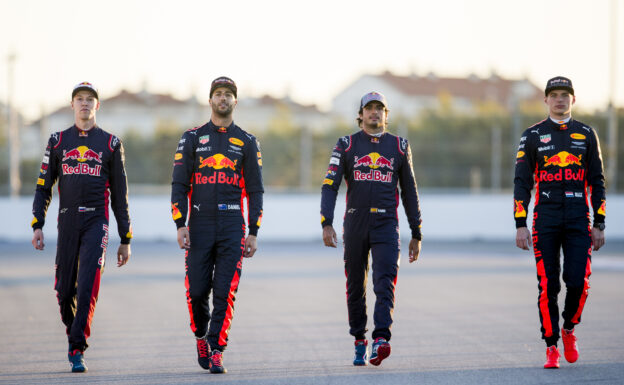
x: 561, y: 157
x: 373, y: 163
x: 88, y: 163
x: 215, y: 167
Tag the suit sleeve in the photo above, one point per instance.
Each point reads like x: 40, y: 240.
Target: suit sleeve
x: 252, y: 172
x: 48, y: 174
x: 409, y: 192
x: 119, y: 191
x: 331, y: 182
x: 523, y: 180
x: 183, y: 166
x: 595, y: 178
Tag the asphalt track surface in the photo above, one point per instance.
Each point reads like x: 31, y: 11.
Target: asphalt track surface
x: 466, y: 314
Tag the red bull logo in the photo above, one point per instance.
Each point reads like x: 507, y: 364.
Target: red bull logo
x: 545, y: 176
x: 219, y: 177
x: 217, y: 161
x: 374, y: 160
x: 175, y: 211
x: 603, y: 208
x: 562, y: 159
x: 519, y: 211
x: 82, y: 154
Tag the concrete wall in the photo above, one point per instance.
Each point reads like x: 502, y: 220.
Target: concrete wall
x: 296, y: 218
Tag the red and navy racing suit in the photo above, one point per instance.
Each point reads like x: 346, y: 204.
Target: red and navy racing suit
x: 562, y: 161
x: 215, y: 168
x: 89, y: 166
x: 373, y: 167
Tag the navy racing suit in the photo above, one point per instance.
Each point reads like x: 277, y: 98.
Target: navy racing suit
x: 89, y: 168
x: 562, y: 160
x: 373, y: 168
x: 215, y: 168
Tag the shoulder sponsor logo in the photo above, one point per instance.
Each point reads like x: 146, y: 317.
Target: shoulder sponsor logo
x: 236, y: 142
x: 204, y: 139
x: 577, y: 136
x: 114, y: 141
x: 45, y: 160
x: 520, y: 154
x: 545, y: 138
x: 182, y: 141
x: 334, y: 160
x: 523, y: 139
x: 180, y: 148
x: 177, y: 156
x: 403, y: 144
x: 586, y: 128
x: 521, y: 146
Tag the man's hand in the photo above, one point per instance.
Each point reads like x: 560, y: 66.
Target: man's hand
x: 329, y: 236
x: 37, y: 240
x: 523, y: 238
x: 250, y: 246
x: 123, y: 254
x: 184, y: 241
x: 598, y: 238
x: 414, y: 249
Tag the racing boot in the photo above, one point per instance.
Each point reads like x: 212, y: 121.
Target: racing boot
x: 552, y: 357
x: 361, y: 353
x: 570, y: 349
x: 76, y: 360
x: 381, y: 350
x: 203, y: 353
x: 216, y: 362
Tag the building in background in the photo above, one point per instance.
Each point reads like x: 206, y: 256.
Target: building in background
x: 410, y: 95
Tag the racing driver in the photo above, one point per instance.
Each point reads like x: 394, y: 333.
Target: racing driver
x: 88, y: 163
x: 374, y: 163
x: 215, y: 167
x: 561, y: 157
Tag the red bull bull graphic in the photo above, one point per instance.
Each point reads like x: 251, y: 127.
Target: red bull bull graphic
x: 374, y: 160
x: 82, y: 154
x: 217, y: 161
x: 175, y: 211
x: 562, y: 159
x: 603, y: 208
x: 519, y: 210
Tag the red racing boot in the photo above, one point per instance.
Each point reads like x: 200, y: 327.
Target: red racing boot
x: 570, y: 349
x: 552, y: 357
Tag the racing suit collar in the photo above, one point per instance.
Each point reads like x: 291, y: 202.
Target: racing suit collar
x: 564, y: 126
x: 220, y: 128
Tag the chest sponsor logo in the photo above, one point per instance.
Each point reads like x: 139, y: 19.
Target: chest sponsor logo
x: 373, y: 176
x: 545, y: 138
x: 217, y: 161
x: 204, y: 139
x: 561, y: 175
x: 373, y: 160
x: 218, y: 177
x: 562, y: 159
x: 577, y: 136
x: 237, y: 142
x: 545, y: 148
x: 202, y: 149
x: 81, y: 169
x: 82, y: 154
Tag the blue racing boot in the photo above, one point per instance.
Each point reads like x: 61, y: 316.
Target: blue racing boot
x: 76, y: 360
x: 361, y: 353
x: 381, y: 351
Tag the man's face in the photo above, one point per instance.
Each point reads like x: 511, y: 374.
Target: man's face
x: 223, y: 102
x: 84, y: 105
x: 559, y: 103
x: 374, y: 115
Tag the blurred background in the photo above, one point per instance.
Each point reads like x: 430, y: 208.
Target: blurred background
x: 463, y: 80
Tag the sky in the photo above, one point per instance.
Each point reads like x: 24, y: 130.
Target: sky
x: 309, y: 50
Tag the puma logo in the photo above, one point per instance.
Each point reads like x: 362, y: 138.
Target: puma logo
x: 197, y: 206
x: 546, y: 194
